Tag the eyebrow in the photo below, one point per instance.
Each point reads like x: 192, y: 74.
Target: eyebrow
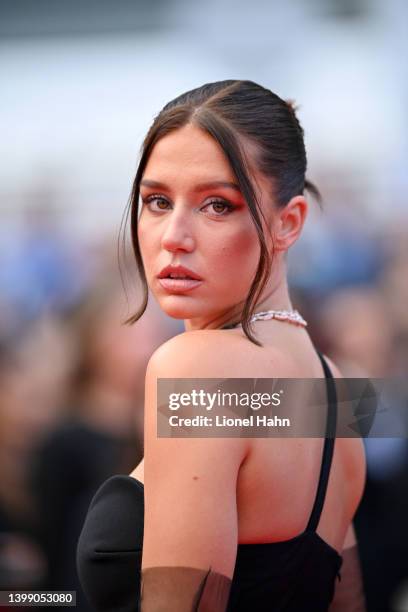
x: 197, y: 188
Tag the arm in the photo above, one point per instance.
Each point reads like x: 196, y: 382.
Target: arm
x: 349, y: 593
x: 191, y: 528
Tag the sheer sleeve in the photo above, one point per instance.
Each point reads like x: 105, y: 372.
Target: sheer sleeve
x: 349, y: 594
x: 183, y: 589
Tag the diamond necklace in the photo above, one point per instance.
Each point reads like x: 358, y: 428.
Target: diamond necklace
x: 291, y: 316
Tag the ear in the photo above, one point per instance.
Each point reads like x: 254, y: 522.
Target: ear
x: 289, y: 223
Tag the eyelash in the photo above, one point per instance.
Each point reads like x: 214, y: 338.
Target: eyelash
x: 229, y: 207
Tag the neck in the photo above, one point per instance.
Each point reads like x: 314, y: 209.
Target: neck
x: 275, y: 296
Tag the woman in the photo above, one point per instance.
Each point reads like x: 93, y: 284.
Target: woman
x: 230, y: 523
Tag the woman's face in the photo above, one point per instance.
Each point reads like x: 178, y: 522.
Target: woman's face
x: 193, y: 215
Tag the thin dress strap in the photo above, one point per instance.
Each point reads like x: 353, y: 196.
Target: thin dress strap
x: 328, y: 447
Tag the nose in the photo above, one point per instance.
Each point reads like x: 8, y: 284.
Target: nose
x: 177, y: 234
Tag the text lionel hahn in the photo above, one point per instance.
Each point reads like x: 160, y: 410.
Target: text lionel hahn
x: 223, y: 421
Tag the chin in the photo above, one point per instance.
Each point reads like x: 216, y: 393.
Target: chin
x: 186, y: 307
x: 177, y: 307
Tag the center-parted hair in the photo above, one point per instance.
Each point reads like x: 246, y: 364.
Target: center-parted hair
x: 234, y: 113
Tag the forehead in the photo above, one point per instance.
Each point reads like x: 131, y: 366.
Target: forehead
x: 190, y: 155
x: 190, y: 151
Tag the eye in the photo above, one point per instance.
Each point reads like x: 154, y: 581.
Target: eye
x: 217, y: 204
x: 156, y: 203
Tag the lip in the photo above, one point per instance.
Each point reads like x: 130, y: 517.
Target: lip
x: 165, y: 272
x: 179, y: 285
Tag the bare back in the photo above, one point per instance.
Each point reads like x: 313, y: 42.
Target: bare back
x: 277, y: 481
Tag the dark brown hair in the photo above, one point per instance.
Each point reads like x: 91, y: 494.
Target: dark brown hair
x: 234, y: 112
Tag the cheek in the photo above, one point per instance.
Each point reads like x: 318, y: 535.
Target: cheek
x: 235, y: 258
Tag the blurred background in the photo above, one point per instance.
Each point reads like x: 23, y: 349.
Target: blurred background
x: 80, y: 84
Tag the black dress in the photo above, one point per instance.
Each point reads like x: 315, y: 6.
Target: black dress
x: 292, y: 575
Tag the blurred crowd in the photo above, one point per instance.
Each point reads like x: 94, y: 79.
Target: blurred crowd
x: 72, y: 383
x: 71, y: 398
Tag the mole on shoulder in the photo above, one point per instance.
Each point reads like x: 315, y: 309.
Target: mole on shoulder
x: 195, y: 477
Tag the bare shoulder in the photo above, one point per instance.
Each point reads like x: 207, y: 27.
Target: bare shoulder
x: 211, y: 353
x: 193, y: 354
